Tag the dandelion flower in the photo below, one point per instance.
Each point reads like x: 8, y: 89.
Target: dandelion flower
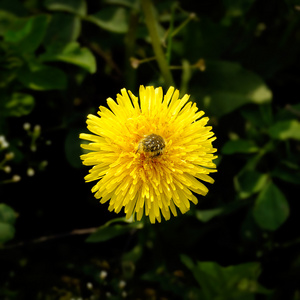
x: 148, y: 153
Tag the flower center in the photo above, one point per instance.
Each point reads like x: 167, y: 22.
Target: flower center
x: 153, y: 145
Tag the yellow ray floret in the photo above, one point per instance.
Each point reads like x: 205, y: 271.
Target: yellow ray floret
x: 148, y: 153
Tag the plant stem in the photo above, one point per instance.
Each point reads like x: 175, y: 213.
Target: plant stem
x: 183, y: 24
x: 171, y: 28
x: 152, y: 28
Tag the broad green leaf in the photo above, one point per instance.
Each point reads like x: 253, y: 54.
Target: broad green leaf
x: 226, y: 86
x: 72, y: 6
x: 287, y: 174
x: 7, y: 214
x: 17, y: 105
x: 250, y: 182
x: 7, y: 220
x: 134, y: 254
x: 271, y: 208
x: 62, y: 30
x: 207, y: 214
x: 260, y: 116
x: 111, y: 230
x: 74, y: 54
x: 7, y: 232
x: 111, y: 18
x: 239, y: 146
x: 41, y: 77
x: 282, y: 130
x: 236, y: 282
x: 27, y: 33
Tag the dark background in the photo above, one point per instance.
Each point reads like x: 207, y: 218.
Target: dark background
x: 60, y: 60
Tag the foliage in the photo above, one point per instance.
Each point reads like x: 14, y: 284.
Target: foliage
x: 60, y: 60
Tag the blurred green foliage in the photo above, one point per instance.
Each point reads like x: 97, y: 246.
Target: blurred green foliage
x: 60, y: 60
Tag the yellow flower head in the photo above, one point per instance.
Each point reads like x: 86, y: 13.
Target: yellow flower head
x: 148, y: 153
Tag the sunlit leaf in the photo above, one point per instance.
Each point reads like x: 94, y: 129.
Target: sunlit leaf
x: 236, y: 281
x: 225, y: 86
x: 111, y: 230
x: 74, y: 54
x: 111, y: 18
x: 72, y: 6
x: 271, y: 208
x: 41, y: 77
x: 250, y: 182
x: 282, y: 130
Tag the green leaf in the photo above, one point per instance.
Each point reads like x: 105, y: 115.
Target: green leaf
x: 7, y: 232
x: 72, y: 53
x: 282, y: 130
x: 111, y: 18
x: 187, y: 261
x: 111, y: 230
x: 41, y: 77
x: 19, y: 104
x: 207, y: 214
x: 226, y: 86
x: 62, y: 30
x: 236, y: 282
x: 27, y: 34
x: 287, y: 174
x: 7, y: 214
x: 250, y: 182
x: 271, y: 208
x: 7, y: 220
x: 239, y: 146
x: 134, y: 254
x: 77, y: 7
x: 260, y: 116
